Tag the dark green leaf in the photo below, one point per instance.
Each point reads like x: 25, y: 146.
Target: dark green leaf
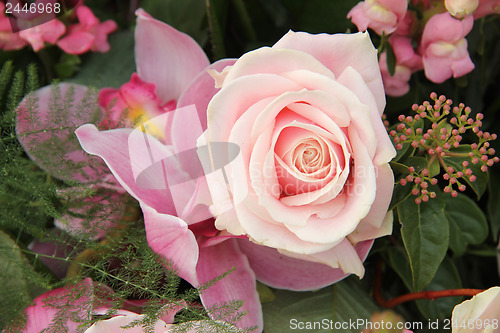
x: 398, y: 259
x: 447, y: 277
x: 425, y: 234
x: 494, y: 203
x: 15, y: 290
x: 391, y: 59
x: 344, y: 301
x: 216, y: 10
x: 467, y: 223
x: 111, y: 69
x: 400, y: 194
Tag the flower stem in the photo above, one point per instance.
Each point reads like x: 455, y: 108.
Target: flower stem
x: 432, y: 295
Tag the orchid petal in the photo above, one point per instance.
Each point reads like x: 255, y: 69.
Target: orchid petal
x: 46, y: 132
x: 114, y: 148
x: 166, y: 57
x: 237, y: 285
x: 170, y: 237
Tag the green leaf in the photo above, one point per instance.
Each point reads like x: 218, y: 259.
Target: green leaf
x: 111, y: 69
x: 345, y: 301
x: 418, y: 162
x: 215, y: 10
x: 15, y: 290
x: 493, y: 205
x: 467, y: 223
x: 447, y: 277
x: 481, y: 183
x: 398, y: 259
x: 391, y: 59
x: 400, y: 194
x: 425, y: 234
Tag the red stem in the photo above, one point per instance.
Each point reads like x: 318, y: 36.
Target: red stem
x: 432, y: 295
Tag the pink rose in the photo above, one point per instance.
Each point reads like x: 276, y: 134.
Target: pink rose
x: 379, y: 15
x: 306, y: 115
x: 444, y: 47
x: 334, y: 82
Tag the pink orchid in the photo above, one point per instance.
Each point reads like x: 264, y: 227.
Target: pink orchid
x: 42, y: 131
x: 379, y: 15
x: 66, y: 309
x: 179, y: 69
x: 444, y: 47
x: 89, y: 34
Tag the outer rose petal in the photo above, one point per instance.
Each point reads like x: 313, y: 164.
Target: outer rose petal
x: 238, y: 285
x: 165, y: 56
x: 339, y: 51
x: 36, y: 130
x: 280, y: 271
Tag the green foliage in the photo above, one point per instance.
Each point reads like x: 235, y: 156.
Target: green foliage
x: 346, y: 300
x: 425, y: 235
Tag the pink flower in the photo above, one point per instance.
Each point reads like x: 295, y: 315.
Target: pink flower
x: 67, y: 309
x: 396, y: 84
x: 444, y: 47
x: 379, y: 15
x: 8, y: 40
x: 407, y: 62
x: 315, y: 178
x: 461, y: 8
x: 47, y: 137
x: 89, y: 34
x: 481, y: 313
x: 487, y: 7
x: 298, y: 75
x: 133, y: 103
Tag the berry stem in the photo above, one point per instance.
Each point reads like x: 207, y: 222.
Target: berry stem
x: 432, y: 295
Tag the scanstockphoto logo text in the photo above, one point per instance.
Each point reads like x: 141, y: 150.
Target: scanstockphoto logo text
x: 353, y: 324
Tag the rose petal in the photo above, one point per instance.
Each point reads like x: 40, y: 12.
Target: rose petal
x: 280, y: 271
x: 340, y: 51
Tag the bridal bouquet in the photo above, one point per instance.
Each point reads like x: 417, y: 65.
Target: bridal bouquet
x: 279, y: 166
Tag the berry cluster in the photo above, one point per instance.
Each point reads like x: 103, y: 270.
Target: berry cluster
x: 442, y: 140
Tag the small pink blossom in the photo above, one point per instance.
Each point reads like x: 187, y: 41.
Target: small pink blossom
x: 89, y: 34
x: 461, y: 8
x: 487, y: 7
x: 379, y: 15
x: 8, y: 40
x: 407, y: 62
x: 444, y: 47
x: 396, y: 84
